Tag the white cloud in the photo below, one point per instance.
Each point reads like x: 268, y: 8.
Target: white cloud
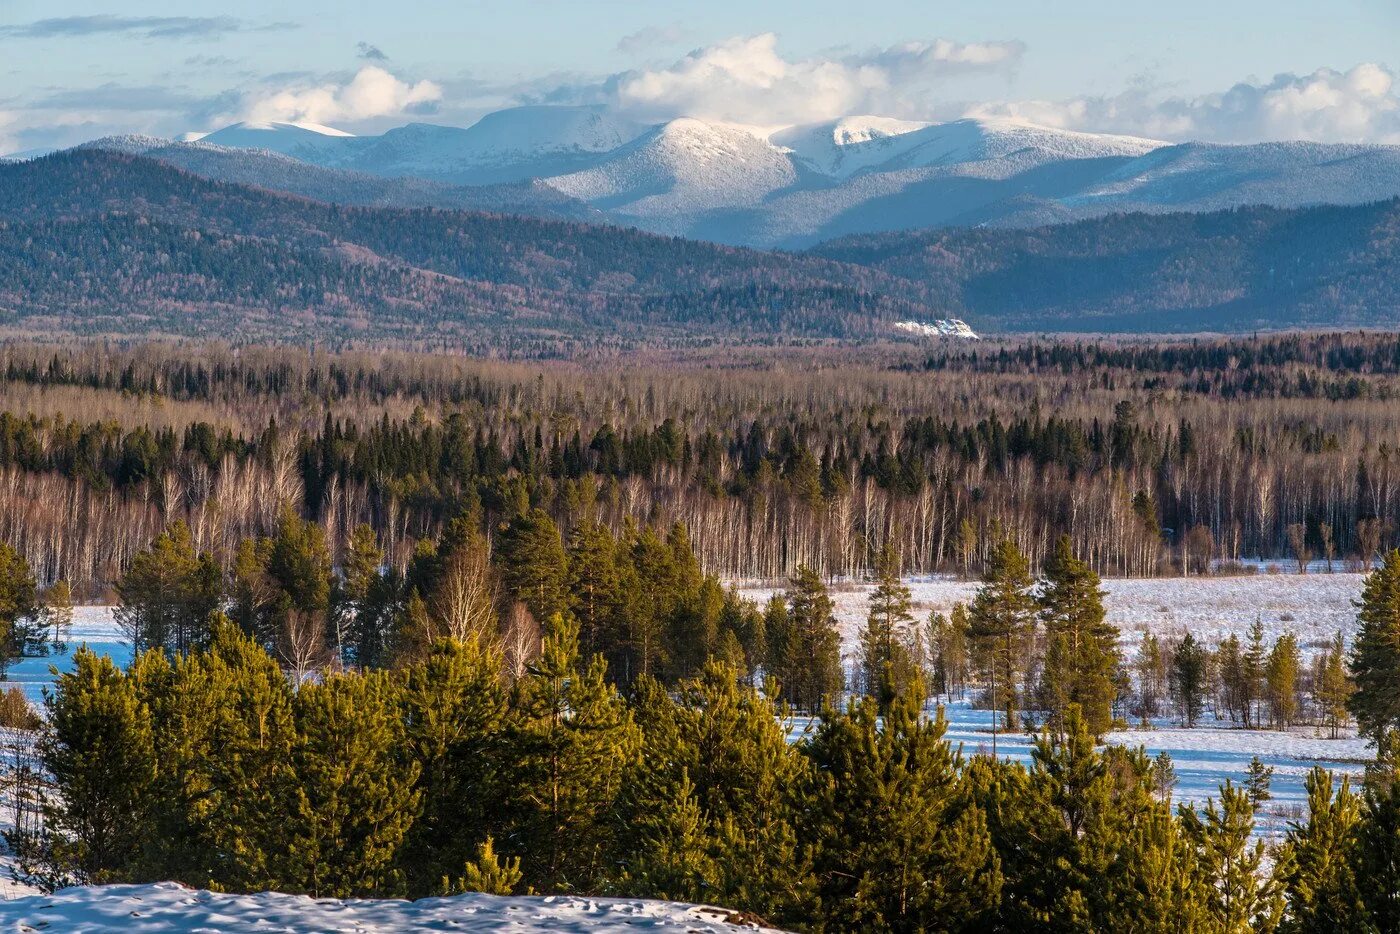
x: 746, y: 79
x: 1361, y: 105
x: 373, y: 92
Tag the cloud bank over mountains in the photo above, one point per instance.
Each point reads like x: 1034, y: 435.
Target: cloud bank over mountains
x: 746, y: 79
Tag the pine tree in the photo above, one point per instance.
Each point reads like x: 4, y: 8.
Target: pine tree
x: 1375, y: 655
x: 1240, y: 897
x: 1164, y: 776
x: 1254, y: 670
x: 355, y: 796
x: 1152, y: 668
x: 914, y: 854
x: 1376, y: 857
x: 888, y: 668
x: 1281, y: 680
x: 99, y: 751
x: 58, y: 607
x: 1001, y: 618
x: 487, y: 873
x: 455, y: 716
x: 534, y: 566
x: 1081, y: 658
x: 1189, y: 678
x: 356, y: 608
x: 572, y: 742
x: 168, y: 594
x: 594, y: 584
x: 1334, y: 687
x: 1315, y: 863
x: 1258, y: 778
x: 811, y: 651
x: 20, y: 631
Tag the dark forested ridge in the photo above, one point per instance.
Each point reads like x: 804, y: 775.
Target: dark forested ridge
x: 100, y: 242
x: 104, y: 242
x: 1227, y: 271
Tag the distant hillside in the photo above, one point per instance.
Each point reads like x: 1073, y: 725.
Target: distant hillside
x: 1227, y: 271
x: 101, y: 241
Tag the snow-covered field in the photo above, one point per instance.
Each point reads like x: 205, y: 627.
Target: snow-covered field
x: 92, y: 626
x: 1312, y: 606
x: 170, y: 907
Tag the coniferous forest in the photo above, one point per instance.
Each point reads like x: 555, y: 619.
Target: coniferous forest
x: 410, y: 625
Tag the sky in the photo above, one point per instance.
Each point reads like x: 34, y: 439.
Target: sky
x: 1223, y: 70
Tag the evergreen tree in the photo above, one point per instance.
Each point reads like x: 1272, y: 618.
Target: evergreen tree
x: 1081, y: 656
x: 355, y: 795
x: 1189, y: 678
x: 168, y: 593
x: 1333, y: 687
x: 22, y: 632
x: 1240, y: 898
x: 1001, y: 619
x: 1375, y: 655
x: 534, y: 566
x: 99, y: 751
x: 1315, y: 863
x: 914, y: 855
x: 888, y: 667
x: 356, y: 608
x: 1258, y: 779
x: 572, y: 742
x: 810, y: 672
x: 1152, y: 668
x: 1376, y: 857
x: 488, y: 874
x: 58, y: 612
x: 1255, y: 669
x: 594, y: 584
x: 1281, y: 680
x: 455, y: 716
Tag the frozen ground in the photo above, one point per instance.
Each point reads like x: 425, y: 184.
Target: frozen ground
x: 1313, y: 606
x: 92, y: 626
x: 166, y: 908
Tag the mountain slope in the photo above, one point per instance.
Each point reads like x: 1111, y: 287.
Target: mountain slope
x: 1225, y: 271
x: 100, y: 241
x: 278, y: 172
x: 798, y: 186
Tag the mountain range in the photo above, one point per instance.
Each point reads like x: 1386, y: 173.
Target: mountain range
x: 101, y: 242
x: 790, y: 187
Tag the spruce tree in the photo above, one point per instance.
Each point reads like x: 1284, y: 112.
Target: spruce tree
x: 168, y: 593
x: 1189, y: 678
x: 1001, y: 619
x: 1375, y: 655
x: 1333, y: 687
x: 1376, y: 857
x: 1081, y: 659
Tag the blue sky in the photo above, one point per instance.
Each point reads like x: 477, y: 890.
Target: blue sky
x: 1233, y: 70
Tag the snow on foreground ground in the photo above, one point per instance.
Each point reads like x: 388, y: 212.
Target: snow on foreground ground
x: 170, y: 907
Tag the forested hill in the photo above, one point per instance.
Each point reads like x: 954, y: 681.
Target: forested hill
x: 107, y: 242
x: 1231, y: 270
x: 104, y: 242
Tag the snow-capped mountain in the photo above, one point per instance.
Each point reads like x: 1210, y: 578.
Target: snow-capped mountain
x: 788, y: 187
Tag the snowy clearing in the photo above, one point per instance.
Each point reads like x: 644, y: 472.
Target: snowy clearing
x: 1312, y: 606
x: 170, y: 907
